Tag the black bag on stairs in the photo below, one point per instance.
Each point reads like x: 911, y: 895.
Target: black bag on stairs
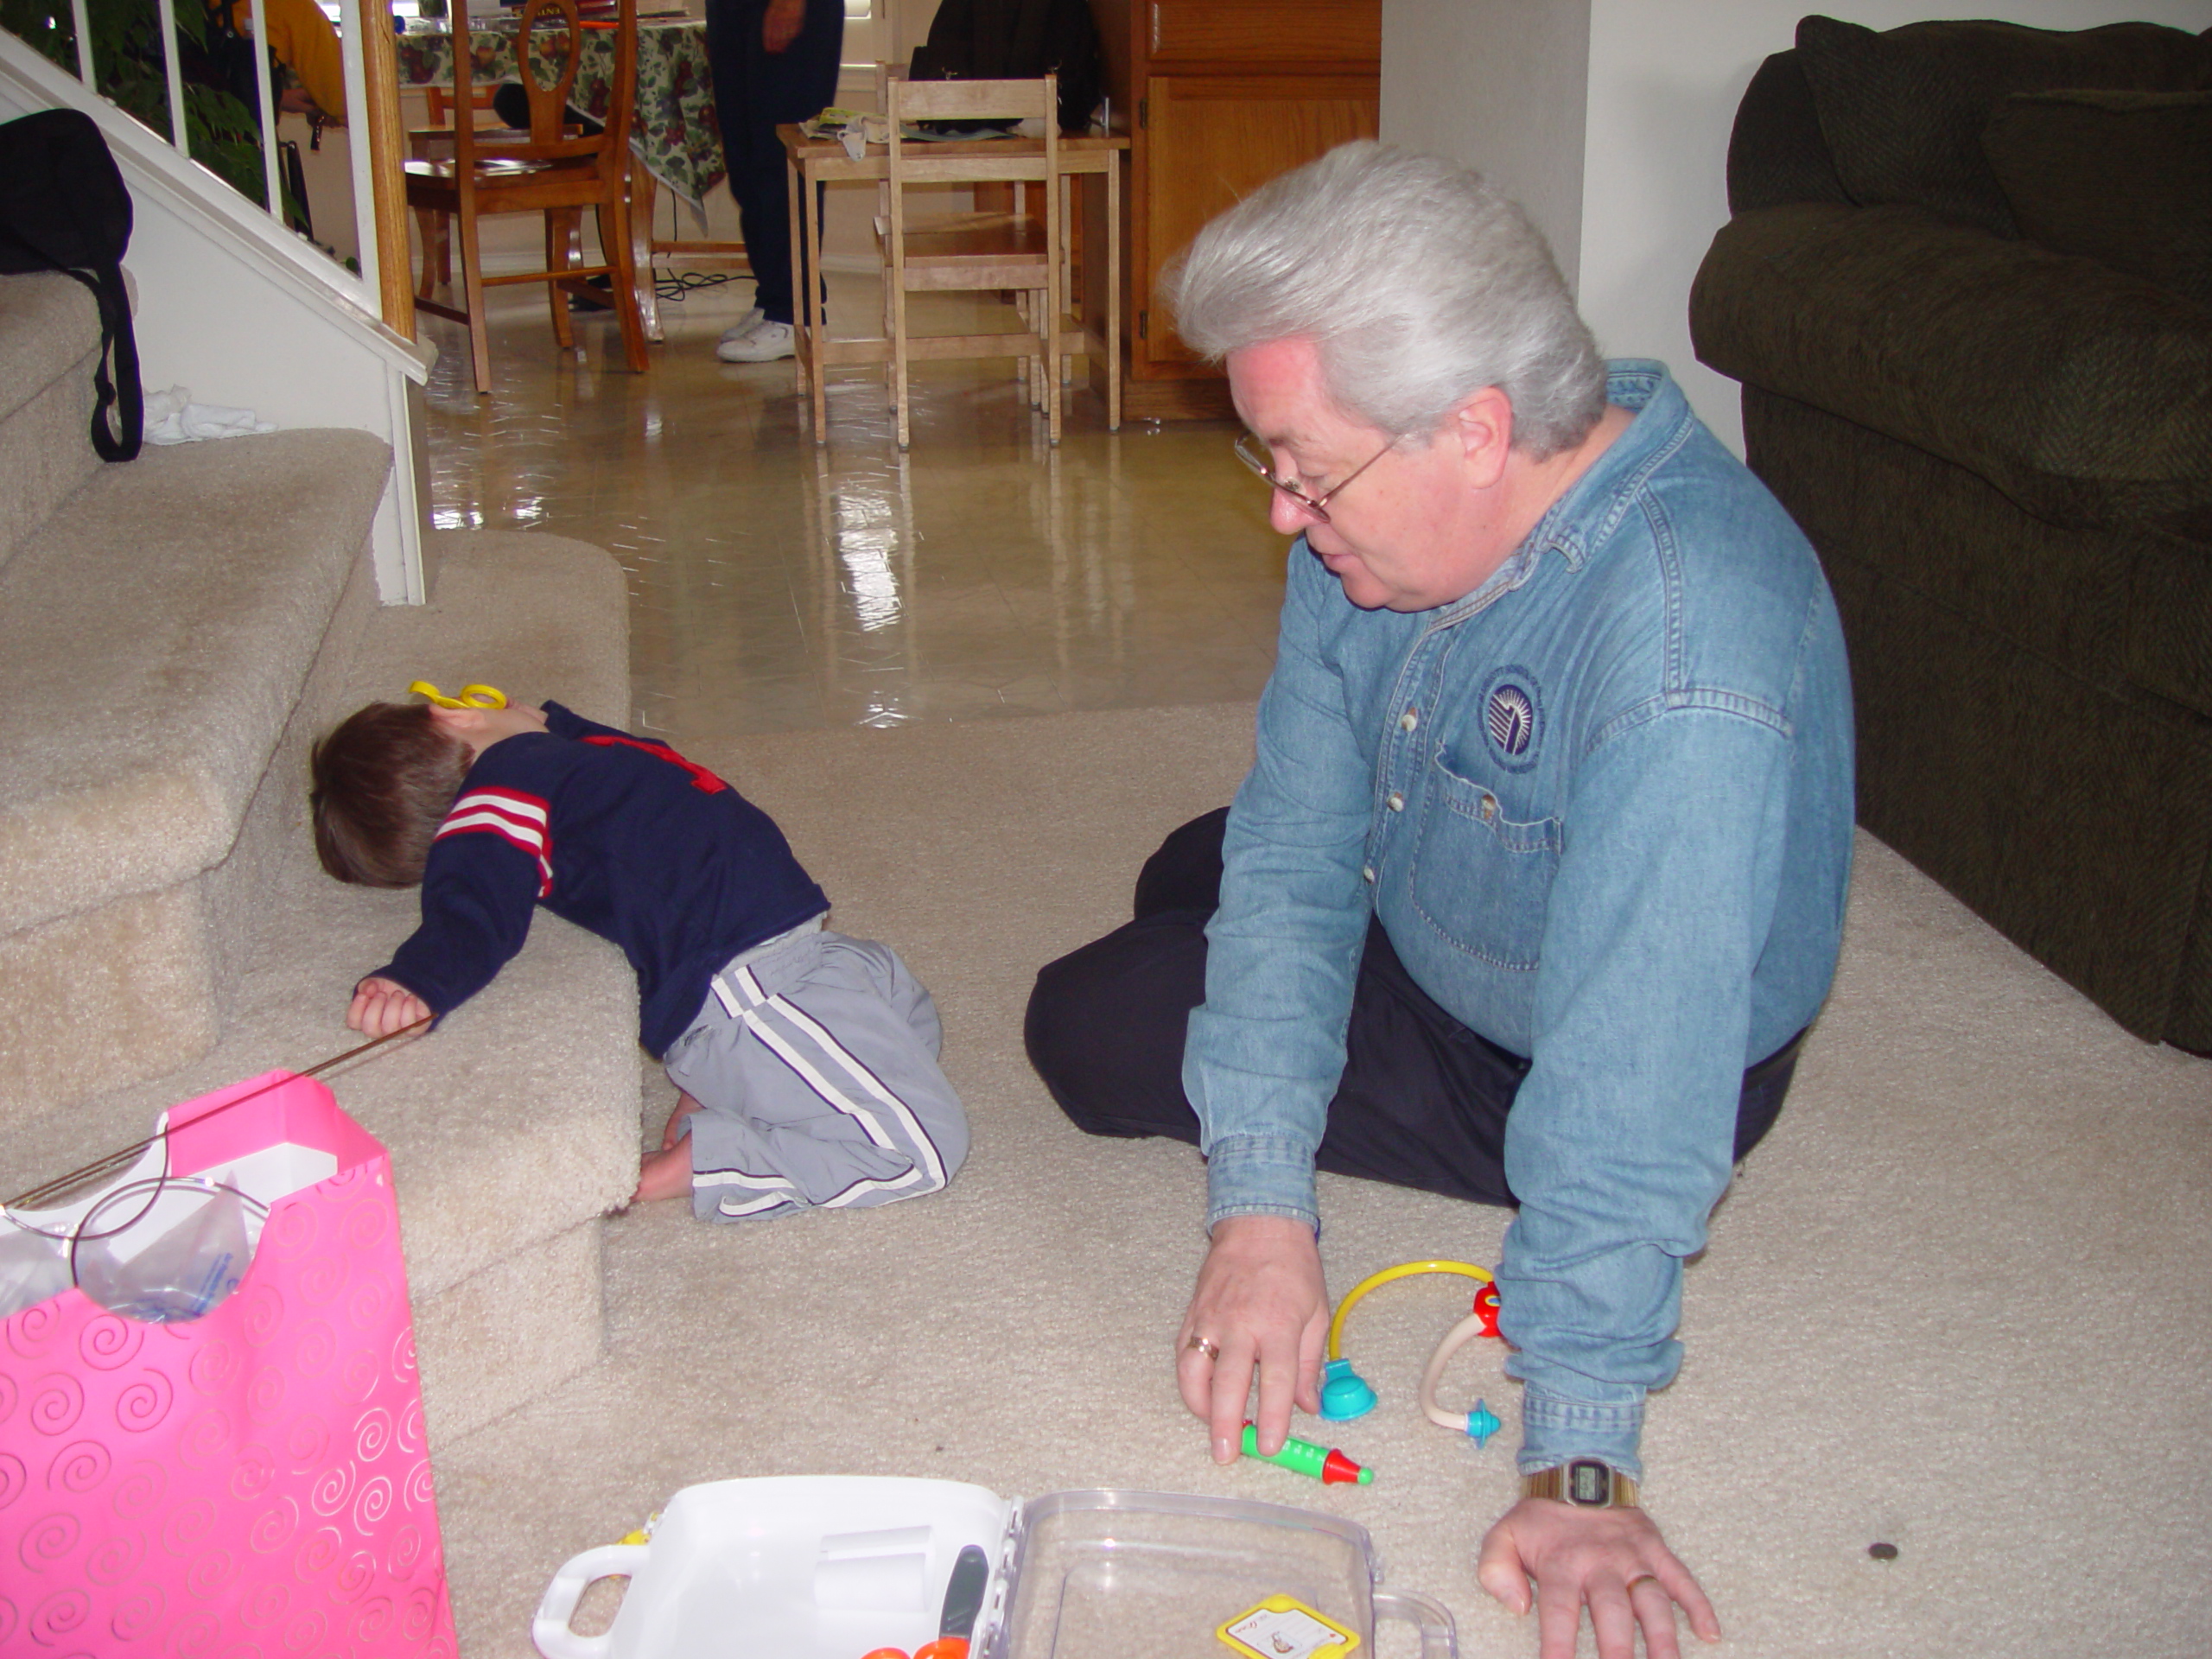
x: 63, y: 207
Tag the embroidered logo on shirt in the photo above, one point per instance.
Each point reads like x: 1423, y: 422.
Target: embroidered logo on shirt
x: 1513, y: 716
x: 1512, y: 719
x: 519, y: 820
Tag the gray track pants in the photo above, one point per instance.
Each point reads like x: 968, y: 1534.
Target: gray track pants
x: 815, y: 1065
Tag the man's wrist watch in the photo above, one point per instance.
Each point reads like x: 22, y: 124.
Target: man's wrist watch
x: 1586, y: 1483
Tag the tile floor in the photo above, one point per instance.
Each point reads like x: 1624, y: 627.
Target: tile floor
x: 776, y: 584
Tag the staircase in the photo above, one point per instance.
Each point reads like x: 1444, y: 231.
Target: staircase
x: 174, y: 633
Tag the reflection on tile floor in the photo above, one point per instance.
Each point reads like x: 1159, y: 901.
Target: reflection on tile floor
x: 776, y: 584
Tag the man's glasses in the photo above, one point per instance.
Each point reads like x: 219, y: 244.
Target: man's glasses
x: 1316, y: 505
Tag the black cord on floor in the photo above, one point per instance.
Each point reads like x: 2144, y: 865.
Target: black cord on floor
x: 673, y: 286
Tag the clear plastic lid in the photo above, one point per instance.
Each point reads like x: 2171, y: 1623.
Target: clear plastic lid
x: 1109, y: 1575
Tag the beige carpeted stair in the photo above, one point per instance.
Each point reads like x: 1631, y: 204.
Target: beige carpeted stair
x: 1959, y: 1302
x: 46, y: 397
x: 174, y: 633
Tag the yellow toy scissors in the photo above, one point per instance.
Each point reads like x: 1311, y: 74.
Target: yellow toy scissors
x: 472, y: 696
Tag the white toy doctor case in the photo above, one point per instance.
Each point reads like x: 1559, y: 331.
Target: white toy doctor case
x: 847, y: 1566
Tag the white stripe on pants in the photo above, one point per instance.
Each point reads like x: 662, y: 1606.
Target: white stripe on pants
x: 815, y: 1065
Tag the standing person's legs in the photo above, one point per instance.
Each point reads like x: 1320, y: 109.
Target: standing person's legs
x: 1423, y: 1099
x: 755, y: 91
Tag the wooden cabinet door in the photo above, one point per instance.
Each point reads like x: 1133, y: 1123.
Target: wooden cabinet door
x: 1207, y: 141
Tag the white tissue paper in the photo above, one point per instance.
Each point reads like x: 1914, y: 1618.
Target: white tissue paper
x: 173, y: 418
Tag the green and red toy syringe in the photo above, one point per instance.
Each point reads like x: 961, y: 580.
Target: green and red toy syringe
x: 1323, y: 1463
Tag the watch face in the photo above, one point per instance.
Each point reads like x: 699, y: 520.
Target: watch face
x: 1589, y: 1481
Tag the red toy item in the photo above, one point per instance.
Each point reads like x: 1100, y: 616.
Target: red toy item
x: 1337, y: 1470
x: 1486, y: 1305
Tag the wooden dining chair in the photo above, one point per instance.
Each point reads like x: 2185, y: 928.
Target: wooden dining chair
x: 1016, y: 252
x: 553, y: 170
x: 429, y: 143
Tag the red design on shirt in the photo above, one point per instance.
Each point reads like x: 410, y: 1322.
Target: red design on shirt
x: 702, y: 780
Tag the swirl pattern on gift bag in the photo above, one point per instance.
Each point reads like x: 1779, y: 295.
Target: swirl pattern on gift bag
x: 254, y: 1481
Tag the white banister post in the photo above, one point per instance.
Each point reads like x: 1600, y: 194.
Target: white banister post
x: 84, y: 22
x: 172, y: 58
x: 267, y: 97
x: 353, y: 15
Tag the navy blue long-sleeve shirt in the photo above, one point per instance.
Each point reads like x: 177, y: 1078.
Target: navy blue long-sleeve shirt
x: 617, y: 834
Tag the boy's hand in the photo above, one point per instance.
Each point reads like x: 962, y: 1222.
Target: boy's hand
x: 383, y: 1006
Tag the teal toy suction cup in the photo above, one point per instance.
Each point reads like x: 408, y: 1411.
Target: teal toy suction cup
x: 1345, y: 1393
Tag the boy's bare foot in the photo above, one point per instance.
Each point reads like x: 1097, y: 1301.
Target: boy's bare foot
x: 664, y: 1174
x: 675, y: 1131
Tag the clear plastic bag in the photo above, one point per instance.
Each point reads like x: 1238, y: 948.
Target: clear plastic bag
x: 207, y: 1231
x: 33, y: 1267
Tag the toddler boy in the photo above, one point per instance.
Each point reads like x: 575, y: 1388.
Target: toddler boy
x: 806, y: 1061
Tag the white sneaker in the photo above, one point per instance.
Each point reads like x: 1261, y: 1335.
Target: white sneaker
x: 768, y: 342
x: 744, y: 326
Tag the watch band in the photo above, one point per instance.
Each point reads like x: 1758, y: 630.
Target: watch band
x: 1586, y: 1483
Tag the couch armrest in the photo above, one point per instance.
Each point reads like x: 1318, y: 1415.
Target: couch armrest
x: 2084, y: 395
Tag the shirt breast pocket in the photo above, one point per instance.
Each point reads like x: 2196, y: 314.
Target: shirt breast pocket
x: 1481, y: 876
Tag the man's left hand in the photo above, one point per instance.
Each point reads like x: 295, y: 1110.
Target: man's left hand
x: 1612, y: 1561
x: 782, y: 25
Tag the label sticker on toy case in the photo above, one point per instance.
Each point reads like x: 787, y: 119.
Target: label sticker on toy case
x: 1283, y: 1627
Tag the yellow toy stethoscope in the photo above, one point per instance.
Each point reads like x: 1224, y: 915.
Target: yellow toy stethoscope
x: 472, y: 696
x: 1345, y: 1393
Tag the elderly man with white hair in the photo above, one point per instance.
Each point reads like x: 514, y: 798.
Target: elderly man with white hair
x: 1538, y: 878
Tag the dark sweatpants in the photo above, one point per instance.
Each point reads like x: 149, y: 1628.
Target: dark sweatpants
x: 756, y: 90
x: 1423, y: 1099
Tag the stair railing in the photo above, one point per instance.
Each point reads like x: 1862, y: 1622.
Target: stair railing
x: 372, y: 136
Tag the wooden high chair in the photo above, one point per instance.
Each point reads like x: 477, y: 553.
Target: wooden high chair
x: 1017, y: 252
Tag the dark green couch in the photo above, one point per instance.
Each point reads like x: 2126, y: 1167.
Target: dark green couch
x: 1968, y: 288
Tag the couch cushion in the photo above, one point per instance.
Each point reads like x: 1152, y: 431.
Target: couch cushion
x: 2122, y: 177
x: 1903, y: 111
x: 2083, y: 394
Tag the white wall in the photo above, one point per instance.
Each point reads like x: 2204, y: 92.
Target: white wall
x: 1663, y: 79
x: 1499, y: 84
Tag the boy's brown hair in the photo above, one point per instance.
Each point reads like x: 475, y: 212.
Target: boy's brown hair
x: 381, y: 785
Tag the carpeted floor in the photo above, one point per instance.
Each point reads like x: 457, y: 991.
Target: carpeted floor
x: 1958, y: 1303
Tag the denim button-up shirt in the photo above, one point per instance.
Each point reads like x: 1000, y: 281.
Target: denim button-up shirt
x: 1603, y: 806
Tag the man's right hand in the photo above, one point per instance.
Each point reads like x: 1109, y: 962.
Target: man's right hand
x: 383, y: 1006
x: 1262, y: 1305
x: 781, y: 23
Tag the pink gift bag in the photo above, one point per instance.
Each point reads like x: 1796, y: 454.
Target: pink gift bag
x: 250, y: 1484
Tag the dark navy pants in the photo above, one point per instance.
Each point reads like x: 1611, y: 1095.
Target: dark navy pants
x: 1423, y: 1100
x: 755, y: 91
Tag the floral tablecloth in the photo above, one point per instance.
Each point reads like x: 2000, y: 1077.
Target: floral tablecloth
x: 674, y: 133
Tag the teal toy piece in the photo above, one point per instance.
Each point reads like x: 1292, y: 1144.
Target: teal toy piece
x: 1345, y: 1393
x: 1482, y: 1423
